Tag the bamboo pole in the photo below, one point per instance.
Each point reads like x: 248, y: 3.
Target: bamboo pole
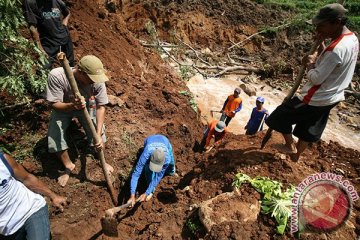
x: 70, y: 76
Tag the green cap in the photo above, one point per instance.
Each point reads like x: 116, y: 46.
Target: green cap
x: 94, y: 68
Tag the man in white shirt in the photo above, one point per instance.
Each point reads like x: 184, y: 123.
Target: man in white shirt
x: 23, y: 210
x: 330, y: 71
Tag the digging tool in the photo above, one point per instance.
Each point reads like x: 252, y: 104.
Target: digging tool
x: 109, y: 222
x: 212, y: 112
x: 70, y: 76
x: 262, y: 122
x: 292, y: 91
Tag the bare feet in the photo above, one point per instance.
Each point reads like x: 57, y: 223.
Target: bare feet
x: 63, y: 179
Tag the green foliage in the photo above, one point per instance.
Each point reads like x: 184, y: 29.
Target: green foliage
x: 193, y: 227
x: 274, y: 202
x: 191, y: 99
x: 20, y: 74
x: 185, y: 72
x: 307, y: 9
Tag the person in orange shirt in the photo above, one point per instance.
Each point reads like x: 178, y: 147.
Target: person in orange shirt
x: 216, y: 129
x: 232, y: 105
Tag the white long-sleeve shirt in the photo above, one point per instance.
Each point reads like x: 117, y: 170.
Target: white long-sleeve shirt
x: 333, y: 72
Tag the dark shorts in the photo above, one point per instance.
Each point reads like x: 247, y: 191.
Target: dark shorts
x: 310, y: 121
x: 53, y: 50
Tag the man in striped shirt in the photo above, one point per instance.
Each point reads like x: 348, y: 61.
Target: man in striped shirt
x: 330, y: 71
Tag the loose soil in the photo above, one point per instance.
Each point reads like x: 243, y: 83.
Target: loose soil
x: 149, y: 89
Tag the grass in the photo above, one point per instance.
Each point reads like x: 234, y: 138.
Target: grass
x: 307, y: 9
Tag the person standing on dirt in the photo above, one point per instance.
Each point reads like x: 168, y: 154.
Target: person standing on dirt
x: 155, y: 162
x: 23, y: 211
x: 329, y: 73
x: 48, y: 20
x: 232, y: 105
x: 216, y: 129
x: 258, y: 115
x: 90, y: 77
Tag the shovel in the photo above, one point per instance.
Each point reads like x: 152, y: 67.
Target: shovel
x: 292, y: 91
x: 109, y: 223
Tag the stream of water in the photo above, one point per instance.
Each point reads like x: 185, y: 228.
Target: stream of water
x: 211, y: 93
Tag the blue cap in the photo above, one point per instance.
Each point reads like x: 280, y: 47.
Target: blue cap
x: 260, y: 99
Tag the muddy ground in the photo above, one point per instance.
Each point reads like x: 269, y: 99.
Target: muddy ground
x: 150, y: 102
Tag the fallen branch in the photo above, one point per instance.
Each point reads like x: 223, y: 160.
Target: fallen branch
x: 196, y: 53
x: 353, y: 93
x: 255, y: 34
x: 15, y: 105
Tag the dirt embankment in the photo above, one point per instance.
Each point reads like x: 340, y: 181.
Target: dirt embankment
x: 149, y: 91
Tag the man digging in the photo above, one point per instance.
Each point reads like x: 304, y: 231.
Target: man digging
x: 330, y: 71
x: 90, y: 77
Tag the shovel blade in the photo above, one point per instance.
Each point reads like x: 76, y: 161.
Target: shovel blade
x: 109, y: 226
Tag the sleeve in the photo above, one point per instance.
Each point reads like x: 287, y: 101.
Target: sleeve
x: 100, y: 93
x: 64, y: 10
x: 28, y: 7
x: 138, y: 170
x: 156, y: 180
x: 322, y: 71
x: 239, y: 107
x: 6, y: 163
x: 226, y: 101
x: 54, y: 90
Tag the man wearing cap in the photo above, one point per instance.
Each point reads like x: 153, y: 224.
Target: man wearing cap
x: 90, y: 77
x: 48, y: 22
x: 156, y: 161
x: 258, y: 115
x: 216, y: 129
x: 330, y: 71
x: 232, y: 105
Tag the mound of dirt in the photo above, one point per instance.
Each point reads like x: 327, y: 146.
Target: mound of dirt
x: 151, y: 103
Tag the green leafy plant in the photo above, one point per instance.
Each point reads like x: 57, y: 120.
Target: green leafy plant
x: 274, y: 202
x: 21, y: 62
x: 193, y: 227
x: 185, y: 72
x: 191, y: 99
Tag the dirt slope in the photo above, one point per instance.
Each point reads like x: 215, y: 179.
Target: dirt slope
x: 149, y: 90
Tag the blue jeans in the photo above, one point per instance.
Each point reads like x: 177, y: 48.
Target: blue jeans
x: 36, y: 227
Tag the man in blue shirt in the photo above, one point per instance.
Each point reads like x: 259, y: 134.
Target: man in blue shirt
x: 156, y: 161
x: 258, y: 115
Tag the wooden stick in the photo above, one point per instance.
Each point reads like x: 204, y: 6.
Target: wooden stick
x: 70, y: 76
x: 255, y: 34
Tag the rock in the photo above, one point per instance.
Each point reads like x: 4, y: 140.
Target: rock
x: 227, y: 207
x: 115, y: 101
x: 249, y: 90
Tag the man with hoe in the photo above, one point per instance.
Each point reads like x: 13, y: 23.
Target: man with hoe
x: 330, y: 71
x: 216, y: 129
x: 90, y: 77
x: 155, y: 162
x: 232, y: 105
x: 258, y: 115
